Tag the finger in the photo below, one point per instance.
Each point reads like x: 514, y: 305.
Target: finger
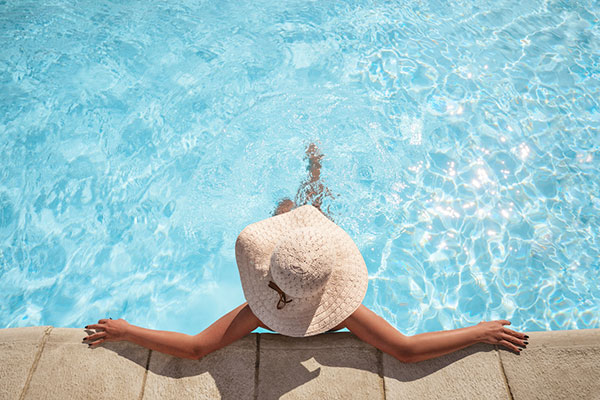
x: 510, y: 346
x: 504, y: 322
x: 96, y: 343
x: 103, y: 321
x: 95, y: 326
x: 516, y: 334
x: 513, y: 340
x: 96, y: 336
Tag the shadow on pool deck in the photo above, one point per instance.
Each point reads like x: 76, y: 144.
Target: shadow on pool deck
x: 46, y: 362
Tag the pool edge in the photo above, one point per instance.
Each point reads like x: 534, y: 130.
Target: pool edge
x: 53, y: 363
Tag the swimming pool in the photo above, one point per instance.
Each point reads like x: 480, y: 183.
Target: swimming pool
x: 137, y: 139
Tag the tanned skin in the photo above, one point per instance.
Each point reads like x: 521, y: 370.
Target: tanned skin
x: 364, y: 323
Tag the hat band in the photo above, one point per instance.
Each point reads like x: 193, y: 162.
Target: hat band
x: 282, y: 298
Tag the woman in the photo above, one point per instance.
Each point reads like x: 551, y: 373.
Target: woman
x: 303, y: 275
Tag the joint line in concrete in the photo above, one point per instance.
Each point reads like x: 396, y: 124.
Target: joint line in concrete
x: 145, y: 375
x: 36, y: 361
x: 256, y: 366
x: 510, y: 395
x: 380, y: 372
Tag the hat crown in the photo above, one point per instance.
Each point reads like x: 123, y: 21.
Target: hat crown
x: 302, y: 262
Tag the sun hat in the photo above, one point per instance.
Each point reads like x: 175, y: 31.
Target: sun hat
x: 301, y: 273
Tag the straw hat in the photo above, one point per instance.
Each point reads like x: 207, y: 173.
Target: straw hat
x: 301, y: 273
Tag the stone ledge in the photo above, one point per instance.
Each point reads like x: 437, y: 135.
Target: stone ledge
x: 19, y: 348
x: 556, y: 365
x: 52, y: 363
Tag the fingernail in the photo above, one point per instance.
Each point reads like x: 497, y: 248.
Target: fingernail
x: 83, y: 338
x: 526, y: 337
x: 86, y: 326
x: 526, y: 342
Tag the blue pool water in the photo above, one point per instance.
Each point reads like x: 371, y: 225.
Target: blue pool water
x: 461, y: 142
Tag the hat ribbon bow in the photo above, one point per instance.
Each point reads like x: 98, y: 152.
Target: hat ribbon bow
x: 282, y: 298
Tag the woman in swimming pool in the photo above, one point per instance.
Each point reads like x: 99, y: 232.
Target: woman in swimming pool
x: 303, y: 275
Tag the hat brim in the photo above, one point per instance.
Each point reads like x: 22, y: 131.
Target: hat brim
x: 306, y: 316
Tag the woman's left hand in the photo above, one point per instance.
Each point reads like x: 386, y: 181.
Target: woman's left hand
x: 494, y: 332
x: 107, y: 330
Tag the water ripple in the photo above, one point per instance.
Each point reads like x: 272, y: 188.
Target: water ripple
x: 460, y: 140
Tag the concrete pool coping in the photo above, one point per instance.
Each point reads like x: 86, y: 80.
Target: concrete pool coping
x: 52, y: 363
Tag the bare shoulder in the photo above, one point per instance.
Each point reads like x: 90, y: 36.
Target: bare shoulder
x: 361, y: 310
x: 352, y: 316
x: 263, y: 325
x: 258, y: 321
x: 365, y: 315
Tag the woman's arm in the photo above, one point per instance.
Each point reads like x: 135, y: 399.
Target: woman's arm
x: 232, y: 326
x: 376, y: 331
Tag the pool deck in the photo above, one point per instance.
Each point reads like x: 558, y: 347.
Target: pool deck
x: 52, y: 363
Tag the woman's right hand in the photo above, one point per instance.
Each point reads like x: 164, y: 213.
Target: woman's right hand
x: 494, y: 332
x: 107, y: 330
